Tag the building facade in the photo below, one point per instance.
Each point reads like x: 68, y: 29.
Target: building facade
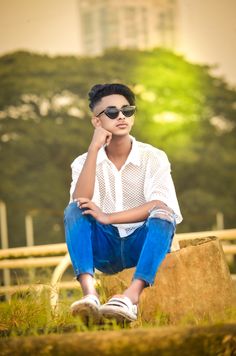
x: 141, y: 24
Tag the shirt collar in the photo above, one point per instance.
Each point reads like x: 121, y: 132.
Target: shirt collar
x: 132, y: 158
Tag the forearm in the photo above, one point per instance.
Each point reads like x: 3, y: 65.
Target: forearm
x: 140, y: 213
x: 86, y: 181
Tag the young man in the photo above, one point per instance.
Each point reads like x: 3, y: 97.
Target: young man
x: 123, y: 209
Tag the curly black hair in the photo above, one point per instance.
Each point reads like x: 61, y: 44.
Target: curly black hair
x: 98, y: 91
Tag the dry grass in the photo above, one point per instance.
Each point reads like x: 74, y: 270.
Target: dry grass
x: 29, y: 313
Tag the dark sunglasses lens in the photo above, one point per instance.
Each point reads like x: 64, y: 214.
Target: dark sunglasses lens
x: 128, y: 111
x: 112, y: 113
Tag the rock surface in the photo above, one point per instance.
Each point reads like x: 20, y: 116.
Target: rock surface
x: 165, y: 341
x: 193, y: 283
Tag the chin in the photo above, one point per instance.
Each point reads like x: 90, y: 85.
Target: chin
x: 121, y: 132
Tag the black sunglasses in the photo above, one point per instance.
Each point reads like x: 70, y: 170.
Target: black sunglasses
x: 112, y: 111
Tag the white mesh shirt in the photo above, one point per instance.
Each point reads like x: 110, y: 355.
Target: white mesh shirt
x: 145, y: 176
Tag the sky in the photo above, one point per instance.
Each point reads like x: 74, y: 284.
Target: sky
x: 206, y: 30
x: 207, y: 34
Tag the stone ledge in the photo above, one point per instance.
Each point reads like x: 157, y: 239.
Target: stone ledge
x: 195, y: 341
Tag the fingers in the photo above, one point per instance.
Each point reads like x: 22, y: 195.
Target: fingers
x: 90, y: 212
x: 101, y: 217
x: 83, y: 203
x: 100, y: 136
x: 89, y: 205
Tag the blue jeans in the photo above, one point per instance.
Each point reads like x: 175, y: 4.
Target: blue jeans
x: 94, y: 245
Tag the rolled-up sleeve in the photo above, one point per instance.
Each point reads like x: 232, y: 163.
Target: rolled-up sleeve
x: 76, y: 168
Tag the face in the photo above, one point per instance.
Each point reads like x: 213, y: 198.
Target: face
x: 119, y: 126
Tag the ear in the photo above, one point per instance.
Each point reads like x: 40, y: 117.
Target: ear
x: 96, y: 122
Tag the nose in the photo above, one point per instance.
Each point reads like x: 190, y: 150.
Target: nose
x: 121, y: 116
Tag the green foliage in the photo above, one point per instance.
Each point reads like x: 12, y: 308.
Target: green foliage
x: 44, y: 125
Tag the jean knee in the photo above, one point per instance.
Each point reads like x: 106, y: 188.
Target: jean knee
x: 163, y: 214
x: 72, y: 211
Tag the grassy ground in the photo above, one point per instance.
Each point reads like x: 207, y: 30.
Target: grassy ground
x: 29, y: 313
x: 29, y: 327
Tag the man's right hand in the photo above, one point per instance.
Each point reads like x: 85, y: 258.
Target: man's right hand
x: 100, y: 138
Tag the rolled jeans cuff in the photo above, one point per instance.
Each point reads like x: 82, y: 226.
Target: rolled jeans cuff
x: 163, y: 214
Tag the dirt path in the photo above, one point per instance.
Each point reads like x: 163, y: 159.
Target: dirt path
x: 178, y: 341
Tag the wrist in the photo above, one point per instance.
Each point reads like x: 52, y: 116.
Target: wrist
x: 109, y: 219
x: 93, y: 148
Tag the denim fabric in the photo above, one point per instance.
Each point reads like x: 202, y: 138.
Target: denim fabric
x: 94, y: 245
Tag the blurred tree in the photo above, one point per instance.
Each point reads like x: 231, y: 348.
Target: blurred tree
x: 44, y: 125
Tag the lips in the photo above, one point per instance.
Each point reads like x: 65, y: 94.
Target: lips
x: 122, y: 125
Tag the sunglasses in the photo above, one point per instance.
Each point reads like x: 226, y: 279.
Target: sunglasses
x: 112, y: 111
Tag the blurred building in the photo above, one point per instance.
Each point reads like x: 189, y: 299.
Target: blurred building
x: 140, y: 24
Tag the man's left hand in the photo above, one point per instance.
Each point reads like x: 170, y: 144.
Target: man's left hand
x: 93, y: 210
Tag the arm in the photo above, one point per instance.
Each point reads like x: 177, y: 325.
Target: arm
x: 137, y: 214
x: 86, y: 181
x: 133, y: 215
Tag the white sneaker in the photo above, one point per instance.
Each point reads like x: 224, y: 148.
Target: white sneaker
x: 87, y: 308
x: 119, y: 308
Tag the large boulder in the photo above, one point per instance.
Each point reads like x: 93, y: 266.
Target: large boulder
x: 192, y: 284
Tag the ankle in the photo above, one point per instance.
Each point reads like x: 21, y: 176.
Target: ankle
x: 87, y: 284
x: 134, y: 291
x: 134, y: 298
x: 91, y: 293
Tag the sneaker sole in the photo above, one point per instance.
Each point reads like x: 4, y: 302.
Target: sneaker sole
x: 117, y: 314
x: 87, y: 312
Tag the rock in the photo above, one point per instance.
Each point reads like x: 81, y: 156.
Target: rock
x: 196, y: 242
x: 192, y: 284
x: 166, y: 341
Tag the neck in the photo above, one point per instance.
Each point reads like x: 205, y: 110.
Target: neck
x: 119, y: 147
